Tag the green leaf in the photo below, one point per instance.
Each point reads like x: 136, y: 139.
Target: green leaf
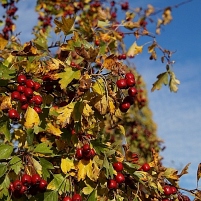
x: 68, y: 76
x: 87, y: 189
x: 92, y: 196
x: 5, y: 131
x: 65, y: 25
x: 6, y: 73
x: 16, y: 164
x: 78, y: 110
x: 43, y: 148
x: 4, y: 187
x: 6, y: 151
x: 99, y: 147
x: 3, y: 169
x: 51, y: 196
x: 162, y: 79
x: 30, y: 136
x: 46, y: 165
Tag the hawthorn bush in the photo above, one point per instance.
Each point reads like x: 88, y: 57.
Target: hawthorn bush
x: 74, y: 117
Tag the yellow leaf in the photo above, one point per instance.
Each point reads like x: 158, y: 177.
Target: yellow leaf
x: 20, y: 136
x: 99, y: 87
x: 65, y: 113
x: 5, y: 103
x: 131, y: 25
x: 111, y: 106
x: 87, y: 111
x: 3, y: 42
x: 122, y: 130
x: 171, y: 173
x: 87, y: 190
x: 66, y: 165
x: 101, y: 105
x: 199, y: 172
x: 173, y: 82
x: 37, y: 166
x: 134, y: 50
x: 185, y: 170
x: 31, y: 118
x: 53, y: 130
x: 84, y: 169
x: 162, y: 79
x: 167, y: 16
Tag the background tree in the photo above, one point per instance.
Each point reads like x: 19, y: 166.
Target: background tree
x: 75, y: 122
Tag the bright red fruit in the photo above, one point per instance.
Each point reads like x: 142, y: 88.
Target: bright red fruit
x: 11, y: 188
x: 13, y: 114
x: 86, y: 148
x: 23, y: 190
x: 119, y: 178
x: 129, y: 76
x: 15, y: 95
x: 67, y: 198
x: 35, y: 179
x: 112, y: 184
x: 37, y: 86
x: 121, y: 84
x: 76, y: 197
x: 124, y: 106
x: 43, y: 185
x: 28, y: 92
x: 29, y: 83
x: 38, y: 99
x: 26, y: 180
x: 23, y: 98
x: 145, y: 167
x: 79, y: 153
x: 17, y: 184
x: 118, y: 166
x: 173, y: 189
x: 25, y: 106
x: 167, y: 190
x: 21, y: 79
x: 132, y: 91
x: 38, y: 109
x: 20, y: 88
x: 130, y: 82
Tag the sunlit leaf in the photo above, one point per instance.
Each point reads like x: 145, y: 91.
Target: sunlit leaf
x: 43, y: 148
x: 3, y: 42
x: 31, y: 118
x: 53, y: 129
x: 171, y: 173
x: 5, y: 131
x: 199, y: 172
x: 101, y: 104
x: 134, y: 50
x: 67, y: 165
x: 162, y: 79
x: 87, y: 189
x: 16, y: 164
x: 99, y: 87
x: 6, y: 151
x: 173, y: 82
x: 185, y: 170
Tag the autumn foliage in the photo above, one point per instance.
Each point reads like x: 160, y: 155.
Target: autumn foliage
x: 75, y: 123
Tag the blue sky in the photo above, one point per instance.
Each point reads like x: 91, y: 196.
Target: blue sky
x: 178, y: 116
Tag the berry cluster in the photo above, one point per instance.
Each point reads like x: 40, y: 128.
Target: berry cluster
x: 25, y: 95
x: 127, y: 83
x: 119, y: 178
x: 10, y: 14
x: 122, y: 56
x: 28, y: 185
x: 75, y: 197
x: 85, y: 152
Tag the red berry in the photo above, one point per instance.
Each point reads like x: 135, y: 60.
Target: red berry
x: 67, y: 198
x: 86, y: 148
x: 21, y: 79
x: 167, y: 190
x: 145, y: 167
x: 113, y: 15
x: 121, y: 84
x: 20, y: 88
x: 93, y: 153
x: 76, y: 197
x: 120, y: 57
x: 128, y: 99
x: 173, y: 189
x: 79, y: 154
x: 17, y: 184
x: 35, y: 179
x: 38, y: 99
x: 13, y: 114
x: 23, y: 98
x: 165, y: 199
x: 125, y: 6
x: 42, y: 185
x: 26, y: 180
x: 129, y: 76
x: 124, y: 106
x: 97, y: 42
x: 23, y: 190
x: 29, y: 83
x: 119, y: 178
x: 38, y: 109
x: 130, y: 82
x: 112, y: 184
x: 15, y: 95
x: 37, y: 86
x: 11, y: 188
x: 123, y: 56
x: 28, y: 92
x: 118, y: 166
x: 25, y: 106
x: 132, y: 91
